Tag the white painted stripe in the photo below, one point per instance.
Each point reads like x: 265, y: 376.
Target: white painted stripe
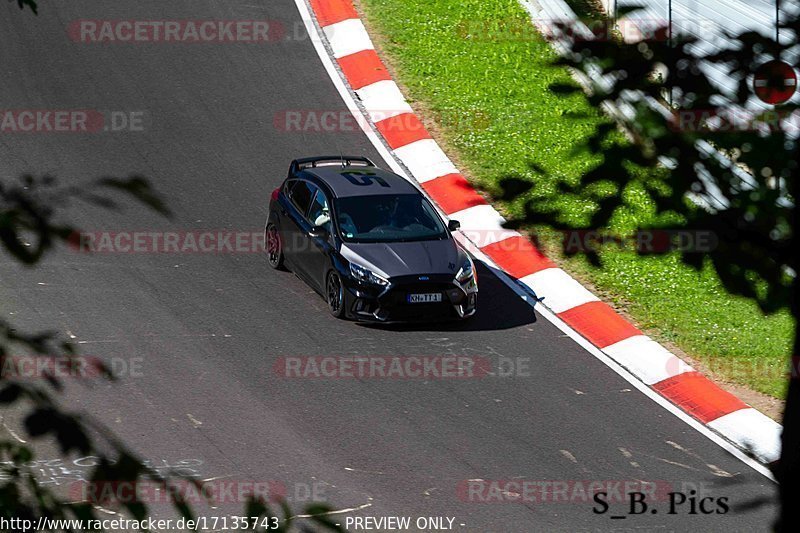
x: 559, y: 290
x: 753, y: 431
x: 425, y: 160
x: 482, y: 224
x: 383, y: 100
x: 646, y: 359
x: 348, y: 37
x: 485, y: 238
x: 479, y: 218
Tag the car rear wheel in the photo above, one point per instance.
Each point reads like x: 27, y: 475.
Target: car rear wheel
x: 274, y: 248
x: 334, y: 292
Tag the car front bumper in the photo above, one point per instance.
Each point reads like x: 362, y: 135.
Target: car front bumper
x: 371, y: 303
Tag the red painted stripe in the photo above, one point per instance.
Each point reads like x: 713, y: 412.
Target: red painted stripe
x: 363, y: 68
x: 517, y: 256
x: 402, y: 129
x: 599, y: 323
x: 452, y: 192
x: 332, y: 11
x: 699, y: 396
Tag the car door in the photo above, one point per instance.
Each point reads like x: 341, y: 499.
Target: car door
x: 300, y: 194
x: 317, y: 249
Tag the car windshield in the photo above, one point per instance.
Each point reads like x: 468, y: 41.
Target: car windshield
x: 388, y: 218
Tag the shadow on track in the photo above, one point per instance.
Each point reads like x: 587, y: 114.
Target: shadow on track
x: 499, y: 307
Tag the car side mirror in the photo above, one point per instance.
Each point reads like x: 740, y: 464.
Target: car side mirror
x: 318, y: 232
x: 453, y: 225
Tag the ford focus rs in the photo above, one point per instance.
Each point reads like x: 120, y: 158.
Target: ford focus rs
x: 368, y: 241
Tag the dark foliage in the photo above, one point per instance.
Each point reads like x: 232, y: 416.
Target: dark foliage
x: 704, y: 157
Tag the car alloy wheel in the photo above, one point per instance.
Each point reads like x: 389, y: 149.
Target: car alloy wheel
x: 335, y: 294
x: 274, y: 249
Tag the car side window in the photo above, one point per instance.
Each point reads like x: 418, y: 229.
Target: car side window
x: 302, y: 192
x: 319, y: 213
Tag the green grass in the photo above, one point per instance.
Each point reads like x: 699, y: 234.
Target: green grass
x: 481, y: 56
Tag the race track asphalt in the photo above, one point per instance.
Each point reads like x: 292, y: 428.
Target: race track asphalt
x: 206, y: 329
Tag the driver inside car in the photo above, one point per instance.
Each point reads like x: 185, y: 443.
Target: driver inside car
x: 319, y: 212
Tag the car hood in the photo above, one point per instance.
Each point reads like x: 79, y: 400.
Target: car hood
x: 406, y: 258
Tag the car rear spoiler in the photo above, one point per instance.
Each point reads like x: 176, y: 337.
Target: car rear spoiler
x: 344, y: 160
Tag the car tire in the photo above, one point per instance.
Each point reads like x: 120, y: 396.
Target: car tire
x: 272, y: 243
x: 472, y: 316
x: 334, y: 294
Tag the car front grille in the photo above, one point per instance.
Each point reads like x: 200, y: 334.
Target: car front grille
x: 395, y: 306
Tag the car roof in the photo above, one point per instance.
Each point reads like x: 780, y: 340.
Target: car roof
x: 360, y: 180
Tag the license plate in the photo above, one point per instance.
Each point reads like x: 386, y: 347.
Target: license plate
x: 424, y: 298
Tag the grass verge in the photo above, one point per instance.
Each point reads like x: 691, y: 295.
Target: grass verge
x: 478, y: 68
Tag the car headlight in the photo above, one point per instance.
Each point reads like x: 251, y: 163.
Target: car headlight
x: 466, y: 272
x: 366, y: 275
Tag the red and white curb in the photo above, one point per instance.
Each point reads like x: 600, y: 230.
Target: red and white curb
x: 406, y: 139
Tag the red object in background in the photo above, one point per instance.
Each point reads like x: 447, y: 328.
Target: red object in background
x: 775, y: 82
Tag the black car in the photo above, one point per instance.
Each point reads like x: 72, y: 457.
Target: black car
x: 370, y: 242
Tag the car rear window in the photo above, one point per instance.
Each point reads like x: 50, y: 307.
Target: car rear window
x: 301, y: 195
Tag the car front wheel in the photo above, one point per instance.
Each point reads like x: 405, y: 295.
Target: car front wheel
x: 334, y: 292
